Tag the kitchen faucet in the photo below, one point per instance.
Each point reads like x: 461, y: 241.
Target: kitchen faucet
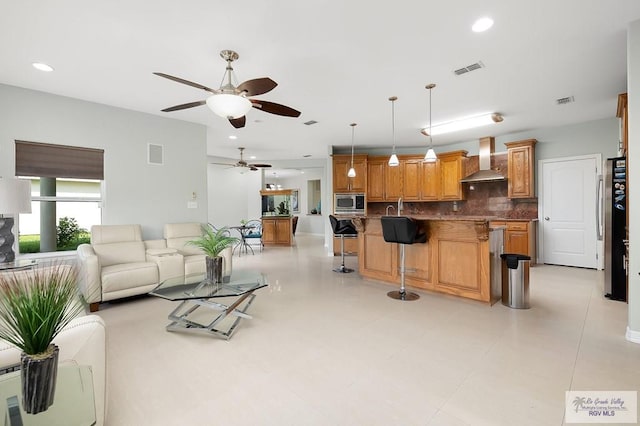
x: 400, y: 206
x: 389, y: 206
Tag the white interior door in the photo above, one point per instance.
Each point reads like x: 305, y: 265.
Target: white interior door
x: 570, y: 211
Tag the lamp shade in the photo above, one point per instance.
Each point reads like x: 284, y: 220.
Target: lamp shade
x: 393, y: 160
x: 229, y: 106
x: 351, y: 172
x: 431, y: 156
x: 15, y: 196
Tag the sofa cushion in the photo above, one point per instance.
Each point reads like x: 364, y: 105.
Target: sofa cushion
x: 195, y: 264
x: 128, y: 275
x: 116, y: 253
x: 178, y: 236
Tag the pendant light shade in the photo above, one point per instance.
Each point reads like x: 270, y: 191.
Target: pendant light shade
x: 431, y: 156
x: 393, y: 160
x: 352, y: 172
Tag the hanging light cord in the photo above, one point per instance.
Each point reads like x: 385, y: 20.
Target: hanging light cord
x: 393, y: 123
x: 353, y: 129
x: 430, y: 87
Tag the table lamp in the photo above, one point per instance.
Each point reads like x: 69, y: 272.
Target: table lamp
x: 15, y: 198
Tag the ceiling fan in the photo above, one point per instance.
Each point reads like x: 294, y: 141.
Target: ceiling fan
x: 230, y: 101
x: 242, y: 163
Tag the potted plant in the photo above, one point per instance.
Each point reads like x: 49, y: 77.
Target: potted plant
x: 35, y: 305
x: 212, y: 242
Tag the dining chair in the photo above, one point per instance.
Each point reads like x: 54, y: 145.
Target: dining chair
x: 254, y: 233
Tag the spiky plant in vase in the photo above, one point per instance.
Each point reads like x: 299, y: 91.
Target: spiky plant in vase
x: 212, y: 242
x: 35, y: 305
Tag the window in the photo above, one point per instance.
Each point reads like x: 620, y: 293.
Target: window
x: 66, y: 191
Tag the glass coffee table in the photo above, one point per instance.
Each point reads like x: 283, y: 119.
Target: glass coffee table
x: 195, y: 291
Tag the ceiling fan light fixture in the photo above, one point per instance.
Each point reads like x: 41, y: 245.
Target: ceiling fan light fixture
x: 229, y: 106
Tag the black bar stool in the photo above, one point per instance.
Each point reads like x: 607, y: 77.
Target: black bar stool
x: 342, y: 227
x: 402, y: 230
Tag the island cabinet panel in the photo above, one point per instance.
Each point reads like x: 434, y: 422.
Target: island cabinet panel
x: 380, y: 260
x: 341, y: 166
x: 375, y: 179
x: 455, y: 260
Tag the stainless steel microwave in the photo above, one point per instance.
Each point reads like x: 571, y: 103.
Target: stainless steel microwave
x: 349, y: 204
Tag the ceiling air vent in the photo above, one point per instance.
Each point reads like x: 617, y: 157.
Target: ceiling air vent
x: 567, y: 100
x: 310, y: 122
x: 469, y: 68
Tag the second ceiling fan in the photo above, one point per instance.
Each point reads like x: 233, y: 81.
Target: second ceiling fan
x: 242, y: 163
x: 230, y: 101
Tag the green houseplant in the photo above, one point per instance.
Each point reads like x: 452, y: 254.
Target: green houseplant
x: 35, y: 305
x: 212, y: 242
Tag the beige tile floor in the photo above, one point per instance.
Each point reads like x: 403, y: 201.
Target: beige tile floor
x: 332, y: 349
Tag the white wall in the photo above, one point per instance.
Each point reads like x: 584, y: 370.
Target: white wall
x: 135, y: 192
x: 633, y: 158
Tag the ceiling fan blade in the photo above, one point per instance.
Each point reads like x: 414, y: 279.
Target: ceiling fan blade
x: 273, y: 108
x: 257, y: 86
x: 187, y: 82
x: 184, y: 106
x: 224, y: 164
x: 253, y: 169
x: 238, y: 122
x: 260, y: 165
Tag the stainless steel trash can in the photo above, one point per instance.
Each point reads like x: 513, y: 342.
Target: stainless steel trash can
x: 515, y: 280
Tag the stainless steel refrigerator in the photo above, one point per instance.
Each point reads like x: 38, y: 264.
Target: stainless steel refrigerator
x: 615, y: 222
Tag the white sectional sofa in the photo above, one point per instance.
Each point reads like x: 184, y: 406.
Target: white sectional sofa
x: 118, y: 263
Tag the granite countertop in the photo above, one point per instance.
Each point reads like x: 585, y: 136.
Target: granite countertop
x: 454, y: 217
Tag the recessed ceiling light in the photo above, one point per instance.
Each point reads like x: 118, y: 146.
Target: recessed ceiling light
x: 233, y: 137
x: 42, y: 66
x: 482, y: 24
x: 253, y: 157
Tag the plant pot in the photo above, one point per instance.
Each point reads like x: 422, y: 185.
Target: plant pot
x: 214, y: 269
x: 39, y: 374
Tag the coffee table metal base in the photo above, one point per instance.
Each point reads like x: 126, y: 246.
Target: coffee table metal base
x: 238, y: 309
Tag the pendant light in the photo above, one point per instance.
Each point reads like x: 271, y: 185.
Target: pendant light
x: 393, y: 160
x: 430, y: 157
x: 352, y: 172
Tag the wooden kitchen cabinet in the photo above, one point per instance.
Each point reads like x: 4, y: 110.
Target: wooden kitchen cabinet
x: 350, y: 246
x: 375, y: 179
x: 393, y: 182
x: 520, y: 165
x: 519, y: 237
x: 421, y: 180
x: 276, y: 231
x: 452, y: 168
x: 341, y: 166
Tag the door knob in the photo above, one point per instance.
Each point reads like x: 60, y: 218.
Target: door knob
x: 546, y: 218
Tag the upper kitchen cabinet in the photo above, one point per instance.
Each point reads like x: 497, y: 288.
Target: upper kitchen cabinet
x: 452, y: 167
x: 376, y: 167
x: 421, y: 180
x: 520, y: 165
x: 341, y: 166
x: 624, y: 124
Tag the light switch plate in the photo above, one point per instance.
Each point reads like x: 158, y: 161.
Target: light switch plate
x: 192, y: 205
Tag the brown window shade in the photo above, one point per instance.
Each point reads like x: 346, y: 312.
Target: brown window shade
x: 58, y: 161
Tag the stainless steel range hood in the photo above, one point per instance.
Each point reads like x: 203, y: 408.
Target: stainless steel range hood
x: 485, y: 174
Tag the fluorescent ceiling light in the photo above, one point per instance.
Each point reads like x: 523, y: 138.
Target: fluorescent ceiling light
x: 464, y: 123
x: 233, y: 137
x: 482, y: 24
x: 42, y: 66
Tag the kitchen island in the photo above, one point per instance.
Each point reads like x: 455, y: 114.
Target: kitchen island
x: 461, y: 256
